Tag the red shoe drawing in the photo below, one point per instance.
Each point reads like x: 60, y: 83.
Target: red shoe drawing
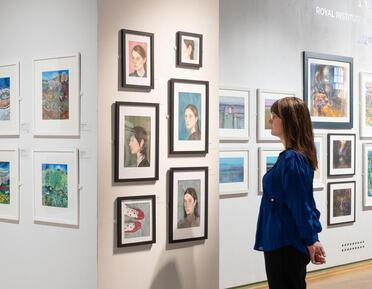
x: 132, y: 227
x: 134, y: 213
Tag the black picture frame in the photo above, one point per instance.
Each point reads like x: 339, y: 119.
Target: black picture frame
x: 341, y: 157
x: 180, y: 230
x: 130, y: 40
x: 183, y: 94
x: 133, y: 168
x: 326, y: 102
x: 138, y: 221
x: 189, y: 44
x: 340, y: 219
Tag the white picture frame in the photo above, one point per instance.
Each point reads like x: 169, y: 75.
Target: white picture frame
x: 367, y: 174
x: 56, y: 186
x: 9, y: 184
x: 56, y: 92
x: 319, y: 179
x: 265, y: 99
x: 267, y: 158
x: 229, y: 162
x: 9, y: 99
x: 234, y: 105
x: 365, y: 94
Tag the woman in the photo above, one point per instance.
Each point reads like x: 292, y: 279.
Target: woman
x: 191, y: 216
x: 138, y: 145
x: 139, y: 61
x: 191, y: 122
x: 288, y: 221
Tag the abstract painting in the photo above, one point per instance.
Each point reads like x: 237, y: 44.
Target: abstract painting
x: 367, y: 175
x: 365, y: 104
x: 55, y: 185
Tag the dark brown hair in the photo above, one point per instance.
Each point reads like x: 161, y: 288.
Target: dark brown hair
x: 297, y: 127
x: 192, y: 193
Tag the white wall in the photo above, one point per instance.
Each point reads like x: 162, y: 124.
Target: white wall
x: 189, y: 265
x: 37, y: 255
x: 261, y: 44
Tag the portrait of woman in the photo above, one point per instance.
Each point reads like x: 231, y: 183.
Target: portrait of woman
x: 191, y: 217
x: 192, y: 122
x: 138, y: 145
x: 188, y: 49
x: 138, y: 57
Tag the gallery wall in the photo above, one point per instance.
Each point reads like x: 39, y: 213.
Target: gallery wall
x: 40, y: 255
x: 160, y: 265
x: 261, y: 44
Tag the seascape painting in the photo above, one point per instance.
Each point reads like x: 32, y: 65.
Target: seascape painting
x: 4, y: 98
x: 5, y: 183
x: 55, y: 185
x: 231, y: 170
x: 55, y: 95
x: 232, y: 112
x: 270, y: 162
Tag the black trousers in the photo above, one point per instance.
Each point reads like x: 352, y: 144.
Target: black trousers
x: 286, y: 268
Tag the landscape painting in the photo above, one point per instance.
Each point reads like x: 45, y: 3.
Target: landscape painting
x: 55, y: 99
x: 5, y: 183
x: 232, y: 111
x: 231, y: 170
x: 54, y: 185
x: 4, y: 98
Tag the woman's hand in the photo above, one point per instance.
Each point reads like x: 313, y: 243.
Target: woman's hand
x: 317, y: 253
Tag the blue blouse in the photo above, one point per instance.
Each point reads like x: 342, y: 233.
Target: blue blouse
x: 288, y: 215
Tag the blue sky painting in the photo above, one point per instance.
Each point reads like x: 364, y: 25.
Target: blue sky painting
x: 232, y: 170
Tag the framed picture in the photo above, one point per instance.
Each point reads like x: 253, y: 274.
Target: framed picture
x: 265, y: 99
x: 136, y: 224
x: 341, y: 154
x: 9, y: 184
x: 341, y: 202
x: 137, y: 59
x: 188, y: 204
x: 234, y: 114
x: 365, y: 104
x: 233, y: 172
x: 136, y: 141
x: 328, y: 90
x: 367, y: 175
x: 189, y: 50
x: 267, y: 159
x: 319, y: 181
x: 56, y: 186
x: 9, y: 100
x: 188, y: 116
x: 57, y: 96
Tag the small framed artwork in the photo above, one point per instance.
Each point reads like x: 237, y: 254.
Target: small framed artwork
x: 367, y: 175
x: 57, y: 96
x: 9, y: 184
x: 234, y: 114
x: 189, y: 50
x: 267, y: 159
x: 233, y: 172
x: 9, y: 100
x: 188, y: 204
x: 319, y: 182
x: 137, y: 59
x: 188, y: 116
x: 136, y: 141
x: 56, y: 186
x: 341, y: 202
x: 265, y: 99
x: 341, y: 154
x: 328, y: 90
x: 136, y: 224
x: 365, y: 104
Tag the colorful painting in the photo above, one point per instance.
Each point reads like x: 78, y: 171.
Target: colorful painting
x: 270, y: 162
x: 54, y: 185
x: 55, y: 99
x: 188, y: 214
x: 136, y: 219
x: 268, y: 103
x: 189, y: 116
x: 137, y: 144
x: 369, y: 193
x: 5, y: 183
x: 4, y: 98
x: 367, y: 90
x: 232, y: 112
x: 231, y: 170
x: 341, y: 202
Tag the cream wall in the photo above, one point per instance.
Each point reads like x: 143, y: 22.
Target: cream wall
x: 189, y: 265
